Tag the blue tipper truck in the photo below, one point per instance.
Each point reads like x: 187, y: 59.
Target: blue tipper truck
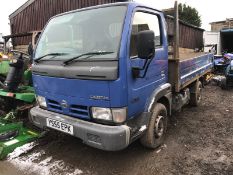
x: 103, y: 74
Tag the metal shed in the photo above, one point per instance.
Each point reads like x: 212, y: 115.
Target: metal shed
x: 34, y: 14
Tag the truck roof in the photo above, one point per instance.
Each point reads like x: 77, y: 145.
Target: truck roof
x: 133, y: 4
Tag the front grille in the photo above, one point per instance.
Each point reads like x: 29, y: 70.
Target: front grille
x: 74, y: 110
x: 78, y: 110
x: 54, y: 105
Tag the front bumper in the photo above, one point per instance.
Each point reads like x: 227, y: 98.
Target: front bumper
x: 110, y: 138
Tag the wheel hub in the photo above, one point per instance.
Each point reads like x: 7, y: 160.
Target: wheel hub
x: 159, y: 126
x: 199, y: 94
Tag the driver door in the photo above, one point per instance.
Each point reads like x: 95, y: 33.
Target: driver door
x: 140, y: 89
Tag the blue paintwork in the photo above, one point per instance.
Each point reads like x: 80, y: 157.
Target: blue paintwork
x: 229, y: 70
x: 191, y: 68
x: 229, y: 55
x: 140, y: 90
x: 75, y: 92
x: 220, y: 60
x: 126, y: 91
x: 231, y: 63
x: 220, y: 63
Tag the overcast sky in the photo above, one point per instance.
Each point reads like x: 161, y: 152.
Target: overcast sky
x: 210, y: 10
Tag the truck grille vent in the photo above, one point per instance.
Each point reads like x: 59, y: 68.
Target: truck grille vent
x: 74, y: 110
x: 54, y: 105
x: 79, y: 110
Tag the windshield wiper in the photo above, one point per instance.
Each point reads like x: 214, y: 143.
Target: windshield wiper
x: 89, y: 54
x: 49, y: 54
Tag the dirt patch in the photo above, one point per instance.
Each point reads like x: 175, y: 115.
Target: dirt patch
x: 6, y: 168
x: 199, y: 142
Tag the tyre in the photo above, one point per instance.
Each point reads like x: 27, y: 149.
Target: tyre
x: 195, y: 95
x: 2, y: 78
x: 223, y: 84
x: 8, y: 135
x: 157, y: 127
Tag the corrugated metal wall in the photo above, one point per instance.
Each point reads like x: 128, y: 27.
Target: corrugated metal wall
x: 35, y: 16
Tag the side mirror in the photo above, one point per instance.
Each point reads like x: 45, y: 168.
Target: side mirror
x: 30, y: 49
x: 145, y: 44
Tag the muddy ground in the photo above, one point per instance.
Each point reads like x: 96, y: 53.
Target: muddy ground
x: 199, y: 142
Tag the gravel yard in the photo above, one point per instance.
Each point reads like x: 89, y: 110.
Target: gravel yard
x: 199, y: 142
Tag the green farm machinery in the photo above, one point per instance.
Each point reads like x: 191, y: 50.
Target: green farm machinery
x: 16, y: 99
x: 4, y: 68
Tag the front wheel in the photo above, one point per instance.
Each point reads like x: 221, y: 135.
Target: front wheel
x: 155, y: 134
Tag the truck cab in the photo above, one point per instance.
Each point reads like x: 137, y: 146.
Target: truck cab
x: 101, y: 74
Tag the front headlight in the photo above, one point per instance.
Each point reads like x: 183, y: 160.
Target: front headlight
x: 117, y: 115
x: 41, y: 101
x: 101, y: 113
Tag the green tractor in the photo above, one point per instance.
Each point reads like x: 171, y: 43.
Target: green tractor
x: 16, y: 99
x: 4, y: 68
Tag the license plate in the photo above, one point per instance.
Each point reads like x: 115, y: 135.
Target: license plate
x: 60, y: 126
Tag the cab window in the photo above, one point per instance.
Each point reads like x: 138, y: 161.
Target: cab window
x: 144, y: 21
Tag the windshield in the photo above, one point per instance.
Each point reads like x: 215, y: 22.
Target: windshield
x: 95, y: 30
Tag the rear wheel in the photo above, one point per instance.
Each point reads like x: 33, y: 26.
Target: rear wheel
x: 195, y: 95
x: 157, y: 128
x: 223, y: 84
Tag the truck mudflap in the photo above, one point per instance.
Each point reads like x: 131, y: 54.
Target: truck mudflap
x: 13, y: 135
x: 109, y: 138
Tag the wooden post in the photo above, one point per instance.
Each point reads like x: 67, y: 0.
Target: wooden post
x: 176, y: 48
x: 176, y: 32
x: 4, y: 45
